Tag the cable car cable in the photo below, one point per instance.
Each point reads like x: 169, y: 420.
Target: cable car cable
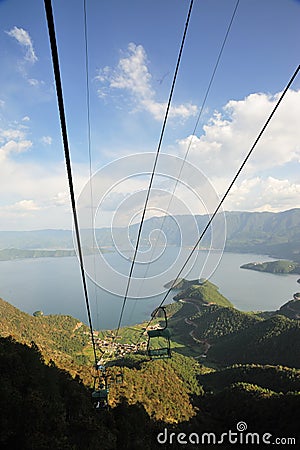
x: 193, y: 134
x: 60, y: 101
x: 88, y: 101
x: 204, y: 100
x: 229, y: 188
x: 154, y: 166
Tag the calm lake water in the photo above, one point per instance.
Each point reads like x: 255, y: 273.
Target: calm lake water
x: 53, y: 285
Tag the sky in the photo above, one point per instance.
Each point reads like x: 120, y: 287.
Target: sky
x: 125, y: 79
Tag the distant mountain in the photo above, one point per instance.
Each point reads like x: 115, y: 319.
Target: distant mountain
x: 14, y: 253
x: 37, y: 239
x: 275, y: 234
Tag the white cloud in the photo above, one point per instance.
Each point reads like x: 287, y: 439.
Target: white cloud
x: 11, y: 133
x: 26, y: 119
x: 61, y: 199
x: 13, y: 141
x: 35, y: 195
x: 14, y: 147
x: 23, y: 38
x: 23, y: 206
x: 229, y: 135
x: 33, y: 82
x: 46, y: 140
x: 264, y: 183
x: 132, y: 75
x: 269, y: 194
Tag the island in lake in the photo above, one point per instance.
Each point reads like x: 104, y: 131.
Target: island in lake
x: 276, y: 267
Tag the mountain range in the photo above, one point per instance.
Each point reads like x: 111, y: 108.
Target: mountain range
x: 275, y: 234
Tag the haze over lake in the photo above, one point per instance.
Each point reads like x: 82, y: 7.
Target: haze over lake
x: 53, y: 285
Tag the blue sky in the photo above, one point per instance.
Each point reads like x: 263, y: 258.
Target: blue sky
x: 132, y: 51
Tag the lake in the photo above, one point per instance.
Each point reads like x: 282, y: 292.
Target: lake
x: 53, y: 285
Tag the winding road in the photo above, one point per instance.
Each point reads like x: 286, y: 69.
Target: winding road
x: 204, y: 342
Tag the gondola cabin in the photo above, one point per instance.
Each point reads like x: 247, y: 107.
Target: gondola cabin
x: 164, y: 334
x: 100, y: 398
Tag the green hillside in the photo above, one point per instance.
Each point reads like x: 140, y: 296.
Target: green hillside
x: 291, y: 309
x: 276, y: 378
x: 159, y: 385
x: 202, y: 292
x: 59, y: 415
x: 43, y: 407
x: 216, y: 322
x: 51, y: 378
x: 259, y: 408
x: 227, y: 336
x: 61, y: 338
x: 272, y: 341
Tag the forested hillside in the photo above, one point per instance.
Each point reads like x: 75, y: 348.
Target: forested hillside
x: 42, y: 407
x: 215, y: 322
x: 276, y: 378
x: 291, y: 309
x: 202, y: 292
x: 61, y: 338
x: 49, y: 374
x: 272, y: 341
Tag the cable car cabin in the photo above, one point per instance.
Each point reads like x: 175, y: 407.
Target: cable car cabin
x: 100, y: 399
x: 100, y: 393
x: 159, y: 353
x: 164, y: 333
